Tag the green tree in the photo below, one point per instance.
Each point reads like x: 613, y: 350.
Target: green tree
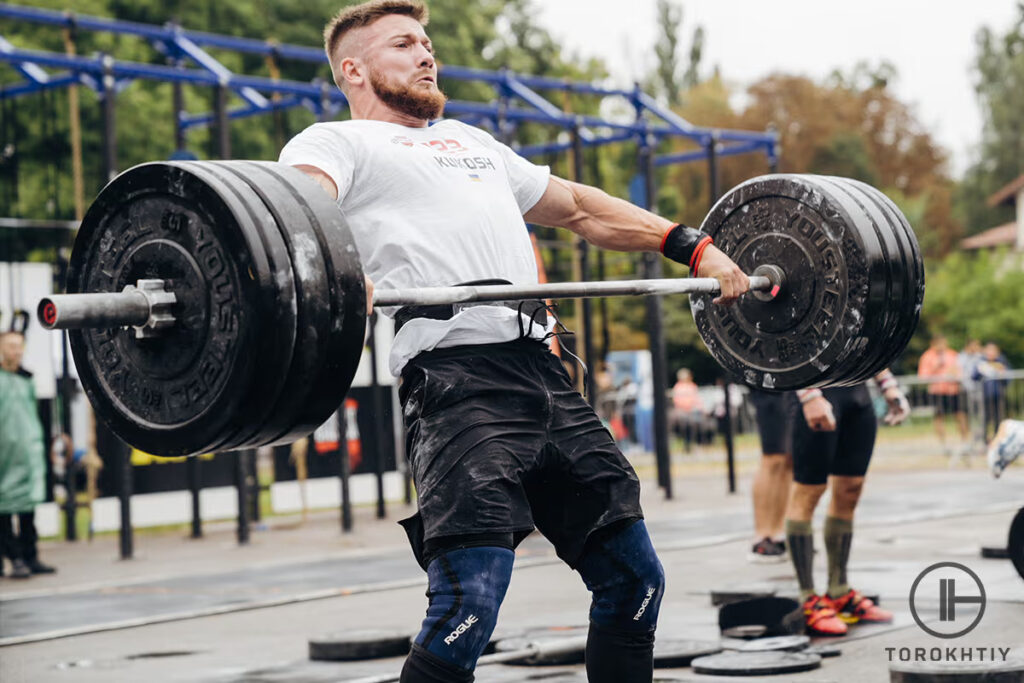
x: 999, y: 83
x: 669, y: 79
x: 844, y: 154
x: 975, y: 296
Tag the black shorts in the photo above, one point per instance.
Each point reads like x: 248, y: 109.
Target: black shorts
x: 499, y: 442
x: 845, y: 451
x: 773, y: 423
x: 946, y: 404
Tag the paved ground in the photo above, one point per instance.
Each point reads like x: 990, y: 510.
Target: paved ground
x: 208, y: 610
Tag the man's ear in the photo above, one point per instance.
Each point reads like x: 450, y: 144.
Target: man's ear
x: 353, y: 70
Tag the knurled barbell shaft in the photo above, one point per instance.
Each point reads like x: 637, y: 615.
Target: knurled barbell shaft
x: 77, y: 311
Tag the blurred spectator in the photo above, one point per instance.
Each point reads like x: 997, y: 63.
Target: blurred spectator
x: 604, y: 384
x: 770, y: 489
x: 969, y: 359
x: 687, y: 407
x: 22, y: 463
x: 991, y: 371
x: 942, y: 362
x: 718, y: 403
x: 628, y: 393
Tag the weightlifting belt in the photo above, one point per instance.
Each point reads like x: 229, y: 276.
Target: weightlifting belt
x: 535, y: 309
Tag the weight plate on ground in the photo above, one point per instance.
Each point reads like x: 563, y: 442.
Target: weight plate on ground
x: 745, y: 632
x: 347, y: 297
x: 1011, y: 671
x: 724, y: 596
x: 824, y: 651
x: 818, y: 320
x: 755, y: 663
x: 1015, y: 542
x: 776, y: 643
x: 192, y: 388
x: 670, y: 653
x: 353, y: 645
x: 779, y: 616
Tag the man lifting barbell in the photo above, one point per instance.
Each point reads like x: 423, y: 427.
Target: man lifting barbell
x: 499, y: 441
x: 221, y: 305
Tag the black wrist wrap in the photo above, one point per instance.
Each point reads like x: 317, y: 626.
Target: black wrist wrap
x: 680, y: 243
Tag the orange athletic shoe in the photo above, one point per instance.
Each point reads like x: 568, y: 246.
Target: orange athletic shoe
x: 853, y: 607
x: 821, y: 617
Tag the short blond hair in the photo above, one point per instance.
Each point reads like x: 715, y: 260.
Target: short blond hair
x: 365, y: 14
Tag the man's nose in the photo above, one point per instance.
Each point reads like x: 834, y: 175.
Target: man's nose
x: 426, y: 59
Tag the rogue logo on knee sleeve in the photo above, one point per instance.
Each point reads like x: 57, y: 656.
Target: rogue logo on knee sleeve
x: 462, y: 628
x: 643, y: 605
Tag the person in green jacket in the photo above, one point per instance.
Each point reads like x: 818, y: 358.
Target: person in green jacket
x: 22, y: 464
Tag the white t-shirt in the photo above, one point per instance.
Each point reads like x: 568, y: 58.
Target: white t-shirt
x: 431, y: 207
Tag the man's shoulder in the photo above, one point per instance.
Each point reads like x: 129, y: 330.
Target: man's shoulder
x: 352, y: 129
x: 455, y: 125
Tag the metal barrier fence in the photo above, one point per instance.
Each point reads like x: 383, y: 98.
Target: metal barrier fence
x: 949, y: 416
x: 957, y: 424
x: 956, y: 416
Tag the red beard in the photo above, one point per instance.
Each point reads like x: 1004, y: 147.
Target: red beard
x: 412, y: 100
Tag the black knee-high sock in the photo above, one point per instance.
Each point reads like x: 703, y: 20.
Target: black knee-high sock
x: 838, y: 536
x: 800, y: 542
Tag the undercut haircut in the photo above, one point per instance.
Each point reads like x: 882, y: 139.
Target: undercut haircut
x: 365, y: 14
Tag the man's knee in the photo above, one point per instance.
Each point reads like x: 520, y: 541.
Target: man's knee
x: 466, y: 588
x: 846, y: 490
x: 626, y: 579
x: 777, y: 465
x: 803, y: 499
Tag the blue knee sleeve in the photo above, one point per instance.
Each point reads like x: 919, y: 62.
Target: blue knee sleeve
x: 465, y: 590
x: 626, y: 579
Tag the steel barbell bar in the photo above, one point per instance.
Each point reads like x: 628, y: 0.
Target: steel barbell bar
x: 136, y: 306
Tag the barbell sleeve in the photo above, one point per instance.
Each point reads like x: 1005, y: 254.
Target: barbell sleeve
x: 146, y: 306
x: 429, y: 296
x: 114, y: 309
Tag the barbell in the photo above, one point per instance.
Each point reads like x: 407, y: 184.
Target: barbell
x: 214, y: 306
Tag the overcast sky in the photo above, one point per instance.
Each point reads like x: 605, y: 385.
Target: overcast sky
x: 931, y: 43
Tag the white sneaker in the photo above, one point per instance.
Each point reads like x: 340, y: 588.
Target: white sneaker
x: 1006, y: 446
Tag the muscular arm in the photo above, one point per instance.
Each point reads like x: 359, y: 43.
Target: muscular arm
x: 613, y: 223
x: 604, y: 221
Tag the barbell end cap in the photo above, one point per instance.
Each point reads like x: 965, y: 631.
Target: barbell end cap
x: 776, y: 276
x: 46, y: 313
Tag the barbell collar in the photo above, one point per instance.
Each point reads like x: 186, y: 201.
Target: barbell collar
x: 430, y: 296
